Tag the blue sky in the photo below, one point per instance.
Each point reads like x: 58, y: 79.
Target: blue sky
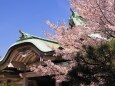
x: 29, y: 16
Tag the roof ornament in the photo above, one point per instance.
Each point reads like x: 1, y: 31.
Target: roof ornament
x: 75, y: 19
x: 24, y: 35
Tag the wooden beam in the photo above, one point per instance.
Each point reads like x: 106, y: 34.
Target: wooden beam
x: 49, y: 58
x: 32, y: 74
x: 28, y: 74
x: 58, y: 83
x: 25, y: 81
x: 36, y: 63
x: 7, y: 76
x: 18, y: 65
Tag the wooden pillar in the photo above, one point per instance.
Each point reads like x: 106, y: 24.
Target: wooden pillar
x: 5, y: 83
x: 25, y: 81
x: 58, y: 83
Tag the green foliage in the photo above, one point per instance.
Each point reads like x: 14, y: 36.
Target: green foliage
x: 111, y: 43
x: 96, y: 64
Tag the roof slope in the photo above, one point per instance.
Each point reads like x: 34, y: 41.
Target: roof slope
x: 43, y: 45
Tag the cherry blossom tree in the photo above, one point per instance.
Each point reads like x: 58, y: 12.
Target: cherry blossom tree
x: 78, y: 42
x: 99, y: 16
x: 91, y: 44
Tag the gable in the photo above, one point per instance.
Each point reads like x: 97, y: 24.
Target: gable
x: 23, y: 54
x: 28, y: 50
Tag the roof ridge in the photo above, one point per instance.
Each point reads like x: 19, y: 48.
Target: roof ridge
x: 25, y: 36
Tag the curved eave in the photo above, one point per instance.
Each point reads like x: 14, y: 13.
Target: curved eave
x: 40, y: 45
x: 39, y: 38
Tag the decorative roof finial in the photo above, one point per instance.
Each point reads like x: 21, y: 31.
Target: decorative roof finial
x: 24, y: 35
x: 75, y: 19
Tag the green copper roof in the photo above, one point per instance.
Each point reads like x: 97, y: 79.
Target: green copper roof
x: 25, y: 36
x: 75, y: 19
x: 38, y: 43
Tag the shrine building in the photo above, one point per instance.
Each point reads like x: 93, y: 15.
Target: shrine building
x: 27, y: 51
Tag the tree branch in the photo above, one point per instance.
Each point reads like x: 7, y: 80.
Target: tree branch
x: 104, y: 15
